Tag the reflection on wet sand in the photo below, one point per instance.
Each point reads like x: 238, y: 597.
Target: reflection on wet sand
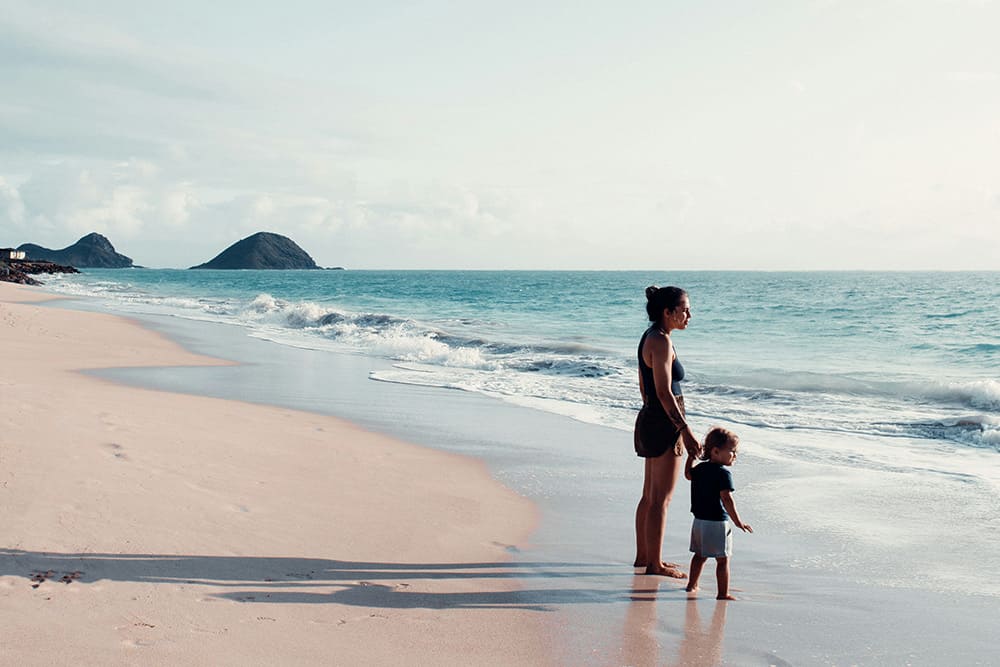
x: 639, y: 641
x: 642, y: 639
x: 702, y: 647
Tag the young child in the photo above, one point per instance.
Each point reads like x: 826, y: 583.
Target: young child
x: 713, y: 508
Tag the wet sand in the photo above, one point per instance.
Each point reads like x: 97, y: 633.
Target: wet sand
x: 812, y: 592
x: 147, y: 527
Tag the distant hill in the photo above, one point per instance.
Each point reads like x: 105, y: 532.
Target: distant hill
x: 92, y: 251
x: 263, y: 250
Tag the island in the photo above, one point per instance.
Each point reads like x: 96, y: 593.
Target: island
x: 93, y: 251
x: 263, y: 250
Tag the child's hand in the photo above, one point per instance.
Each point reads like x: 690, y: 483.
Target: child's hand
x: 745, y: 527
x: 687, y: 467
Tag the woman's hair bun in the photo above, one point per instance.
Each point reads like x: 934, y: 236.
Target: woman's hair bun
x: 659, y: 299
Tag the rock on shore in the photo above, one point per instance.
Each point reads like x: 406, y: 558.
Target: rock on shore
x: 21, y: 270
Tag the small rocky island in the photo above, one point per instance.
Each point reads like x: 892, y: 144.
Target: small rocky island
x: 93, y: 251
x: 262, y: 250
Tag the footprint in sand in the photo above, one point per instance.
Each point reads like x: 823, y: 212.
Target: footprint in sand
x: 70, y: 577
x: 117, y: 451
x: 41, y: 576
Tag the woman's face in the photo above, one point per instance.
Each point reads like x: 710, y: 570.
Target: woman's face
x: 679, y: 317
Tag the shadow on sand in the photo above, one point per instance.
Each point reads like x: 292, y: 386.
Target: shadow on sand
x: 320, y: 580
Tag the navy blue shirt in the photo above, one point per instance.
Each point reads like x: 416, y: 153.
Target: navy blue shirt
x: 708, y: 481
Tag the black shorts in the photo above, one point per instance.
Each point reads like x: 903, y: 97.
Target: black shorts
x: 655, y: 434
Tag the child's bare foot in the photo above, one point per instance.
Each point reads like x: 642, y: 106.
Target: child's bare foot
x: 727, y: 597
x: 665, y: 571
x: 692, y: 588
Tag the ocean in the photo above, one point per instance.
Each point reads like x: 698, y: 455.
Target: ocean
x: 868, y: 406
x: 887, y: 355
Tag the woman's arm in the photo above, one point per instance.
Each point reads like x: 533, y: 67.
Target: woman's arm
x: 662, y: 353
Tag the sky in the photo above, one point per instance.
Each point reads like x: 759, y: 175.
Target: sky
x: 667, y: 135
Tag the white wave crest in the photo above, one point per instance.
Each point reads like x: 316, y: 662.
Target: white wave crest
x: 398, y: 343
x: 983, y: 394
x: 305, y: 314
x: 265, y: 303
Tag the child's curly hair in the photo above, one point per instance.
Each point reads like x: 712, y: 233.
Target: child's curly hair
x: 720, y: 438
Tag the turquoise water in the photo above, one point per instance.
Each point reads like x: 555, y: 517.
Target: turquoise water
x: 868, y: 404
x: 887, y: 355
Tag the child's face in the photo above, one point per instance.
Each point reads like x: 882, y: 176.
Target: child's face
x: 724, y: 455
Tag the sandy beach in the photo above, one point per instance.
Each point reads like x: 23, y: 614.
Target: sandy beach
x: 145, y: 527
x: 175, y: 491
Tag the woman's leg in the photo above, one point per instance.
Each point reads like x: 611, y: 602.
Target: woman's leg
x: 640, y: 515
x: 662, y: 473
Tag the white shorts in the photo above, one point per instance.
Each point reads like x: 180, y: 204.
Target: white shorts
x: 712, y: 539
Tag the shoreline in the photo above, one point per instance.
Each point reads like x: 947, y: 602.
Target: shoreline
x: 157, y: 527
x: 810, y: 593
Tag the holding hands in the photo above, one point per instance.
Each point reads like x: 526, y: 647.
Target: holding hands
x: 691, y: 444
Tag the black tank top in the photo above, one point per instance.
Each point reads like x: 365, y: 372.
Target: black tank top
x: 676, y: 375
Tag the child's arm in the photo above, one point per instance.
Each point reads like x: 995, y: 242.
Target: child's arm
x: 730, y: 505
x: 690, y: 463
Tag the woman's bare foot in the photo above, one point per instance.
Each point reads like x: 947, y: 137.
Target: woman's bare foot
x: 642, y: 563
x: 665, y: 571
x: 727, y: 597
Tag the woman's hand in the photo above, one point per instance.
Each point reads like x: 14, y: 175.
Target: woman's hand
x: 690, y: 443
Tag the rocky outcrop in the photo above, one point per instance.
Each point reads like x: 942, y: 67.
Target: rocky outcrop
x: 93, y: 251
x: 263, y: 250
x: 20, y: 270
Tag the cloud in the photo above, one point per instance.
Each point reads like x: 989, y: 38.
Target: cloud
x: 371, y: 153
x: 140, y: 205
x: 973, y: 77
x: 78, y: 199
x: 11, y: 207
x: 86, y: 90
x: 70, y: 47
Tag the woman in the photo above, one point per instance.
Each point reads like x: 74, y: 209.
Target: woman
x: 661, y: 431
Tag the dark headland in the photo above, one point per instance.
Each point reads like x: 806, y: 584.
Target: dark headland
x: 93, y: 251
x: 262, y: 250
